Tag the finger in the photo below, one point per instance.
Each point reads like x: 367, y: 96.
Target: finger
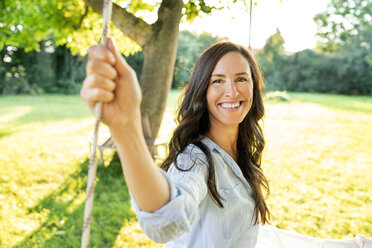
x: 97, y: 81
x: 104, y: 69
x: 100, y: 52
x: 121, y: 64
x: 83, y: 96
x: 91, y: 96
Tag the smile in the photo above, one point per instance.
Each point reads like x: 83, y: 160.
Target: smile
x: 230, y: 105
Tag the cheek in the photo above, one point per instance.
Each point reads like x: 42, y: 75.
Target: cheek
x: 247, y: 90
x: 251, y: 93
x: 212, y: 96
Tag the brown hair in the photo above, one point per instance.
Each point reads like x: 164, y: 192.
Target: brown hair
x: 193, y: 123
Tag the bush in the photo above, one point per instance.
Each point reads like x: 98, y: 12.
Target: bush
x: 277, y: 96
x: 19, y: 85
x: 66, y: 86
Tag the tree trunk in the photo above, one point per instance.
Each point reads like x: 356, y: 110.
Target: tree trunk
x: 159, y: 59
x: 159, y: 45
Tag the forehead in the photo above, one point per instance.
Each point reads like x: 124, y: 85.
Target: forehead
x: 232, y: 63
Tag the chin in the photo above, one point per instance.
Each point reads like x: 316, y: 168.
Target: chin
x: 235, y: 122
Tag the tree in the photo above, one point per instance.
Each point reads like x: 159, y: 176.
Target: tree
x: 51, y: 70
x: 344, y: 19
x: 274, y: 47
x: 346, y: 23
x: 271, y: 59
x: 76, y: 24
x: 190, y: 47
x: 346, y: 28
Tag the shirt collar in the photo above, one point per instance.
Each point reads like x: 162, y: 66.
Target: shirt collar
x: 230, y: 161
x: 211, y: 145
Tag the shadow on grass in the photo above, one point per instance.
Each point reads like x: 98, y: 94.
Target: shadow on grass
x: 64, y: 209
x: 4, y: 133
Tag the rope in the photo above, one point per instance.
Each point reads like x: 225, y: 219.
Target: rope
x: 250, y: 23
x: 107, y: 7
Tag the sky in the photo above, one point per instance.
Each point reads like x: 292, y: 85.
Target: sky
x: 294, y: 18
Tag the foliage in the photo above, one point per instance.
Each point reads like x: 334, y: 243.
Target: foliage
x: 52, y: 70
x: 14, y: 71
x: 346, y: 26
x: 339, y: 72
x: 319, y: 144
x: 136, y: 62
x: 274, y: 48
x: 193, y: 9
x: 277, y: 96
x: 342, y: 61
x: 344, y: 71
x: 190, y: 47
x: 71, y: 23
x: 271, y: 59
x: 345, y: 22
x: 55, y: 70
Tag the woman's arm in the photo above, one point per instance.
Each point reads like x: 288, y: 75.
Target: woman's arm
x: 113, y: 82
x: 147, y: 185
x: 188, y: 189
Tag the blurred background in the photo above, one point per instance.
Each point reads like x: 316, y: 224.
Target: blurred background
x: 316, y: 58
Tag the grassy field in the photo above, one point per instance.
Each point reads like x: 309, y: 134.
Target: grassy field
x: 318, y: 159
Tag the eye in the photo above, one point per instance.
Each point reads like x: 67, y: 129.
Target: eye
x: 217, y: 81
x: 242, y: 79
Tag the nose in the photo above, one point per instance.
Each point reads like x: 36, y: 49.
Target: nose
x: 230, y: 89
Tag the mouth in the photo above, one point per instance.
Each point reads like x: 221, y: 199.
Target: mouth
x: 231, y: 105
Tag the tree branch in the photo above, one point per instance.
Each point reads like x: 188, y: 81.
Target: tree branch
x: 77, y: 26
x: 167, y: 6
x: 134, y: 27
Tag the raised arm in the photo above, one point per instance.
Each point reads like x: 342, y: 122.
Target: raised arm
x: 113, y: 82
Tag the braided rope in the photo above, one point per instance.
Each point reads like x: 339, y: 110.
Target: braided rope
x: 107, y: 6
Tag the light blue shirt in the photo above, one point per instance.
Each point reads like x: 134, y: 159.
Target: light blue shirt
x: 191, y: 219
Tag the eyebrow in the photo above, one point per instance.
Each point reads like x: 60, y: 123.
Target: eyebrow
x: 237, y: 74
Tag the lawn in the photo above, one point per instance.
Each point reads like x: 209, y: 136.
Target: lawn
x: 318, y: 159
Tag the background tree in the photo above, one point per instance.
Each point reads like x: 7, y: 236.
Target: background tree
x: 190, y: 47
x: 76, y: 23
x: 51, y: 70
x: 345, y: 28
x: 271, y: 59
x: 346, y: 24
x: 343, y: 21
x: 344, y: 71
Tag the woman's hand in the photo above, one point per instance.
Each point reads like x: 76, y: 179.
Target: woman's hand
x: 110, y: 80
x: 113, y: 82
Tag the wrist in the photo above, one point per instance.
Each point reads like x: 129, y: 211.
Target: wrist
x: 127, y: 127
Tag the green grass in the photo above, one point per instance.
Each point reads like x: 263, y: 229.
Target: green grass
x: 318, y: 159
x: 43, y: 162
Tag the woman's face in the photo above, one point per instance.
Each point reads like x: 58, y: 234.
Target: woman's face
x: 230, y: 91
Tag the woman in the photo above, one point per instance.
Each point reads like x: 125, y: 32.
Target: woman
x: 208, y: 192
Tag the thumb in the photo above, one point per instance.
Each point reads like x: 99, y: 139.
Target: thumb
x: 121, y: 65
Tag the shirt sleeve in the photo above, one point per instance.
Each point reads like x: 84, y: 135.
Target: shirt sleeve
x: 188, y: 189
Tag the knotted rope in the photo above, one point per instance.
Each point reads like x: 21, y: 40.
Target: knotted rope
x: 107, y: 7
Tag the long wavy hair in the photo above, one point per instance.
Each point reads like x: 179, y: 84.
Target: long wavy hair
x: 193, y: 123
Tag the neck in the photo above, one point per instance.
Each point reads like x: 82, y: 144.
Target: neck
x: 226, y: 138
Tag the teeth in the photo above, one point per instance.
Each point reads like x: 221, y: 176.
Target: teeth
x: 230, y: 106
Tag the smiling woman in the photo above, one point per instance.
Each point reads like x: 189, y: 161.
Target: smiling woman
x: 216, y: 104
x: 229, y: 94
x: 209, y: 190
